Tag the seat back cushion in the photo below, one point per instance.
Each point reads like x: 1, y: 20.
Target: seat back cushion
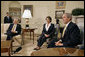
x: 2, y: 28
x: 6, y: 26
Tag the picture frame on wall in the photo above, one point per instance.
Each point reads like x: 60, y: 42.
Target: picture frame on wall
x: 15, y: 13
x: 30, y: 7
x: 60, y: 4
x: 58, y: 14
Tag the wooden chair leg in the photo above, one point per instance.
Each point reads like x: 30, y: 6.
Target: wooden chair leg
x: 9, y: 52
x: 33, y: 37
x: 22, y: 41
x: 11, y: 48
x: 17, y: 41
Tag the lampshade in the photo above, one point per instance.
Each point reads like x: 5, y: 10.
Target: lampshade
x: 27, y: 14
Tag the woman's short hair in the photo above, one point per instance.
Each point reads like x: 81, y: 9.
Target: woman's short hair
x: 49, y: 18
x: 7, y: 13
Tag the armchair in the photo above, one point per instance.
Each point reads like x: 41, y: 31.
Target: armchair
x: 81, y: 46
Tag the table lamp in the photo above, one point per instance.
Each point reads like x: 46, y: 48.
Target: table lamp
x: 27, y: 15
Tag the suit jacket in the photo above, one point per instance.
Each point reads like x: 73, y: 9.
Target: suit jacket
x: 18, y: 28
x: 50, y: 31
x: 71, y: 37
x: 6, y: 20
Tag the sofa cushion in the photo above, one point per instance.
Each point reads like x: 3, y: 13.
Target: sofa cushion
x: 6, y: 26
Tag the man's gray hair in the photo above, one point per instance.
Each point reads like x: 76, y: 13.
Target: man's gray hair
x: 16, y: 19
x: 69, y: 15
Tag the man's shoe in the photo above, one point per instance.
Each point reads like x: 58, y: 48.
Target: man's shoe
x: 18, y: 49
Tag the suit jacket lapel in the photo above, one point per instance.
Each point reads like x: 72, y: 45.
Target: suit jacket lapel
x: 50, y: 27
x: 12, y: 26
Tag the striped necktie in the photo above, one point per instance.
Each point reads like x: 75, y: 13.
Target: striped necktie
x: 14, y: 27
x: 64, y: 31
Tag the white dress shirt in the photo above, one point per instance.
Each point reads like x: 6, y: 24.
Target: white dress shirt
x: 47, y: 26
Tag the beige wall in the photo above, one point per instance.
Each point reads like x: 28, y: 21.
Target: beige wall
x: 41, y: 9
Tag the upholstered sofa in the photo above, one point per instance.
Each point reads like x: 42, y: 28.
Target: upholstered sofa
x: 4, y: 27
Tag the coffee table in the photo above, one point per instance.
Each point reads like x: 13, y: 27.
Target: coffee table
x: 6, y: 46
x: 58, y: 52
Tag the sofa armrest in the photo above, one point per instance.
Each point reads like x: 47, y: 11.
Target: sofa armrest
x: 3, y: 37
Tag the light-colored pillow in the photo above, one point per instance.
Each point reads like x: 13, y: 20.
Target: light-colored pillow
x: 6, y: 26
x: 2, y: 28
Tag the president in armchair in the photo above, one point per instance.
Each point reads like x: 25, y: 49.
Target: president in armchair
x: 70, y: 36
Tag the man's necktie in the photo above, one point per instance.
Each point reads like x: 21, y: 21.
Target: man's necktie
x: 13, y: 29
x: 64, y: 31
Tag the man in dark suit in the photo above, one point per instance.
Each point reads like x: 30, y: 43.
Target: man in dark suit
x: 14, y: 29
x: 70, y: 36
x: 8, y: 19
x: 48, y: 32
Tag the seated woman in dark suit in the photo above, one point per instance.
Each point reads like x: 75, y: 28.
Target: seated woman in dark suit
x: 48, y: 32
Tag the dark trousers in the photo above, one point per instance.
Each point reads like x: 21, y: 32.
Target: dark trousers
x: 41, y: 40
x: 52, y: 44
x: 10, y: 35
